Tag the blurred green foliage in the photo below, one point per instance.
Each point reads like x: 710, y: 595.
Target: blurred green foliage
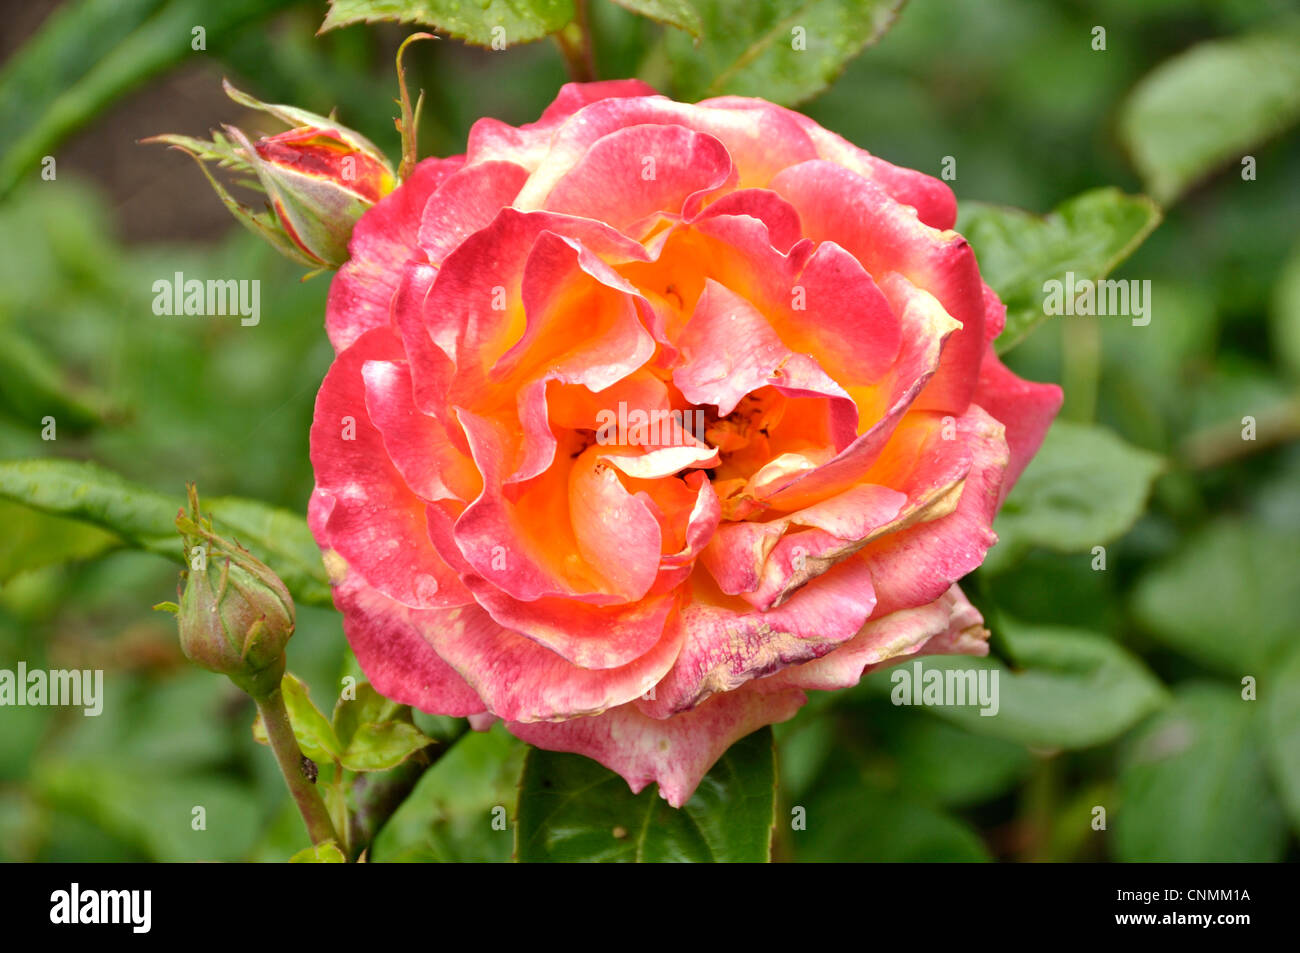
x: 1164, y: 688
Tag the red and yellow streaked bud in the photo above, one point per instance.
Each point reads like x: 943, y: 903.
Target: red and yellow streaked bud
x: 319, y: 178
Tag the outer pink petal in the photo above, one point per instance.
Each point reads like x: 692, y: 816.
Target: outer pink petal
x: 950, y: 622
x: 525, y: 145
x: 1026, y: 408
x: 521, y: 680
x: 727, y: 646
x: 933, y: 200
x: 677, y: 752
x: 638, y: 171
x: 383, y: 239
x: 376, y: 522
x: 417, y: 444
x: 916, y: 565
x: 591, y: 637
x: 466, y: 202
x: 760, y: 142
x: 399, y: 662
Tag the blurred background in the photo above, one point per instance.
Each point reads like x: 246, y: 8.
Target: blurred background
x: 1147, y: 721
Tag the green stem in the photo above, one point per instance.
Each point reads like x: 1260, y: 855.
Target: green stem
x: 378, y: 794
x: 410, y: 122
x: 294, y: 767
x: 575, y: 45
x: 1038, y: 809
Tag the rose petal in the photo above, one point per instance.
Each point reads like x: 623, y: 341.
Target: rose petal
x: 925, y: 326
x: 950, y: 620
x: 395, y: 657
x: 728, y: 643
x: 416, y: 443
x: 521, y: 680
x: 731, y: 351
x: 639, y: 171
x: 526, y: 145
x: 1026, y: 408
x: 916, y: 565
x: 464, y: 203
x: 376, y: 522
x: 677, y: 752
x: 382, y: 239
x: 838, y: 205
x: 760, y: 142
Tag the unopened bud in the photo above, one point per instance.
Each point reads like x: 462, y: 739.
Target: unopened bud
x: 235, y: 615
x: 319, y: 178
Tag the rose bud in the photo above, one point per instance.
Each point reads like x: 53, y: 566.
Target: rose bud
x: 319, y: 178
x: 235, y: 615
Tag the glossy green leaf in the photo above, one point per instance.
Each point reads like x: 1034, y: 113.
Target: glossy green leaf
x: 470, y: 20
x: 33, y: 388
x: 1228, y: 598
x: 785, y: 51
x: 952, y: 766
x: 846, y: 818
x: 378, y: 747
x: 1194, y: 787
x: 1072, y: 688
x: 679, y: 13
x: 367, y: 707
x: 1018, y: 252
x: 573, y: 809
x: 311, y: 729
x: 1085, y: 487
x: 144, y: 518
x: 1280, y: 691
x: 32, y: 539
x: 462, y: 809
x: 1209, y: 106
x: 374, y: 733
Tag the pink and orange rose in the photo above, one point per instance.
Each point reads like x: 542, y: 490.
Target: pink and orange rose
x: 831, y: 432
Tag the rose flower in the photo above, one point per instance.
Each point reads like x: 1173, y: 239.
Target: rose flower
x: 647, y: 418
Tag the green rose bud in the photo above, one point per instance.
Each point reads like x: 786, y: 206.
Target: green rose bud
x: 235, y: 615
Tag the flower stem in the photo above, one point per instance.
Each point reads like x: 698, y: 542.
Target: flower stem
x: 575, y: 45
x: 410, y: 122
x: 294, y: 767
